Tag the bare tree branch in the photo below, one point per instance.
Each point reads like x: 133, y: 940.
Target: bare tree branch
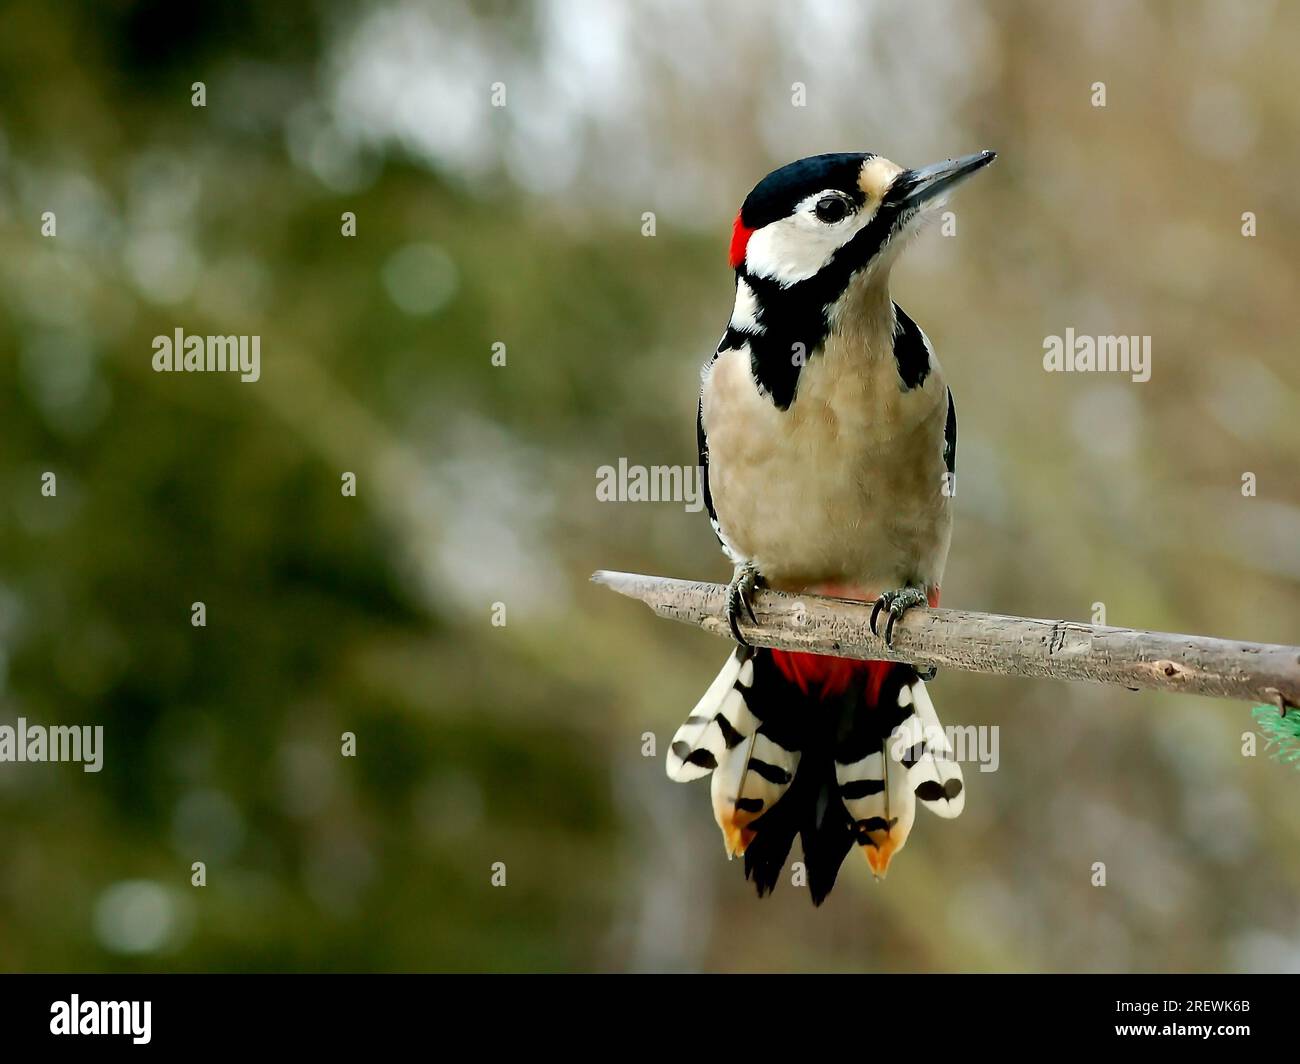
x: 986, y: 642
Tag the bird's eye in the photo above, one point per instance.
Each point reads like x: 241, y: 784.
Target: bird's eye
x: 831, y: 209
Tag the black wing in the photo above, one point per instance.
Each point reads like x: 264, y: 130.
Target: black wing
x: 703, y: 444
x: 950, y: 438
x: 910, y: 352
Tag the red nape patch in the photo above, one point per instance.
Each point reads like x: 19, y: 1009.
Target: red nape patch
x: 740, y: 234
x: 831, y: 676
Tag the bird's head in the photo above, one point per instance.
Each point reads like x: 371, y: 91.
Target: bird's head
x: 831, y: 216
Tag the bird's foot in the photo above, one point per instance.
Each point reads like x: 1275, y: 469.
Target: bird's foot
x: 896, y: 603
x: 738, y: 591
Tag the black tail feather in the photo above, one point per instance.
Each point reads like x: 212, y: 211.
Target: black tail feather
x: 812, y: 808
x: 827, y: 836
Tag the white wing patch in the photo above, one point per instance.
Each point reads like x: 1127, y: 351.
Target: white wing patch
x: 744, y: 316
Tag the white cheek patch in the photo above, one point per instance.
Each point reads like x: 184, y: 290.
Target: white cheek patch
x: 797, y: 247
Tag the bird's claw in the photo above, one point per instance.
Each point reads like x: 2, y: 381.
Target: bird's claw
x: 738, y: 592
x: 896, y: 603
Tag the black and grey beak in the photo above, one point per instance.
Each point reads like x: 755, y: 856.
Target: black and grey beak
x: 912, y: 188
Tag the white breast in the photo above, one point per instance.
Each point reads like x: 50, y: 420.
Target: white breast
x: 847, y: 485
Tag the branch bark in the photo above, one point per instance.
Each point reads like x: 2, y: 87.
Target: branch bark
x: 986, y: 642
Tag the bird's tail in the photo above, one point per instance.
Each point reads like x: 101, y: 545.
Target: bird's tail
x: 838, y: 752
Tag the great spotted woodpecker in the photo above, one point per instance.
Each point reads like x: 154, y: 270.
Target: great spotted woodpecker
x: 828, y: 443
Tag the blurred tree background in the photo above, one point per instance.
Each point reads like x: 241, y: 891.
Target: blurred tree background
x: 522, y: 225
